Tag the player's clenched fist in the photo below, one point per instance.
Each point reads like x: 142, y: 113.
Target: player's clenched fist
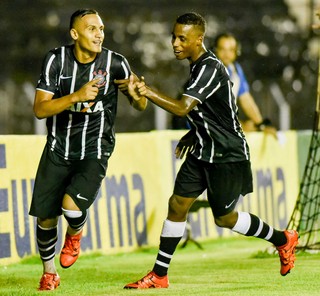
x: 137, y: 88
x: 88, y: 92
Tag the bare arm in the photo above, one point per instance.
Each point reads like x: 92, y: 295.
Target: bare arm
x: 250, y: 108
x: 180, y: 107
x: 138, y: 104
x: 44, y: 106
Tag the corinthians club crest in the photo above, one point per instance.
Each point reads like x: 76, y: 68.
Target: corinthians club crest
x: 101, y: 74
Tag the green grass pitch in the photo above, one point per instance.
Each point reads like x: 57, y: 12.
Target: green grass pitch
x: 225, y: 267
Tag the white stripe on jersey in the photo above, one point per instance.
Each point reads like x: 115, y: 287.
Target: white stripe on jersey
x: 102, y: 118
x: 91, y: 71
x: 214, y: 90
x: 66, y: 154
x: 73, y: 82
x: 48, y: 69
x: 63, y: 55
x: 212, y: 77
x: 215, y: 59
x: 54, y: 119
x: 83, y: 140
x: 87, y: 118
x: 74, y: 77
x: 197, y: 133
x: 234, y: 121
x: 125, y: 69
x: 205, y: 124
x: 54, y: 124
x: 100, y: 134
x: 107, y: 70
x: 198, y: 78
x: 209, y: 82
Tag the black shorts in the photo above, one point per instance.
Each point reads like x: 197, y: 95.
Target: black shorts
x: 225, y: 182
x: 81, y: 179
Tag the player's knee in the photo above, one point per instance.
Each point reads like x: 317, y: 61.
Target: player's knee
x: 47, y: 222
x: 68, y: 203
x: 178, y: 210
x: 221, y: 222
x: 226, y: 221
x: 71, y: 213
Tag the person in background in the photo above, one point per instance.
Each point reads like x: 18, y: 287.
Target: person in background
x: 227, y: 49
x: 219, y: 161
x: 77, y: 95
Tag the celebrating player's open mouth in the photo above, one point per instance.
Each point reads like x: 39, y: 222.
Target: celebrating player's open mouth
x: 177, y: 52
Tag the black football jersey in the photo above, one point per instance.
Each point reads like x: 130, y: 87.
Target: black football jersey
x: 219, y: 136
x: 86, y: 130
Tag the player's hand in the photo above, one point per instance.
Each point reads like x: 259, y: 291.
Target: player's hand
x: 88, y: 92
x: 185, y: 145
x: 123, y: 83
x: 267, y: 128
x: 270, y: 130
x: 137, y: 88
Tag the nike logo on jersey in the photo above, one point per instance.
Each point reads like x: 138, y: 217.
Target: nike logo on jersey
x: 81, y: 197
x: 65, y: 77
x: 229, y: 205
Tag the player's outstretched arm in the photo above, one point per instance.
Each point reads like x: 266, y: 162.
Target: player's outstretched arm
x: 138, y: 89
x: 180, y: 107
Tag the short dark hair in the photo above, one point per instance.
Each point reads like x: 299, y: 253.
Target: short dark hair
x: 81, y: 13
x: 192, y: 18
x: 227, y: 35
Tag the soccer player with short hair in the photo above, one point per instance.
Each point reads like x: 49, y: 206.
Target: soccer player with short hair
x: 219, y: 161
x: 77, y: 94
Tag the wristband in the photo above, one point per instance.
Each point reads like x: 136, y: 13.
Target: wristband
x: 265, y: 122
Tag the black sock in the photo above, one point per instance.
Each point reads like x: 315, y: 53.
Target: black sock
x: 251, y: 225
x: 166, y: 250
x: 46, y: 240
x: 171, y: 234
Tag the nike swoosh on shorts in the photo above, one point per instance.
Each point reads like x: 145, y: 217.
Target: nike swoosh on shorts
x: 81, y: 197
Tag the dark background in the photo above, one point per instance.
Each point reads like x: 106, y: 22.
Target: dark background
x: 274, y: 51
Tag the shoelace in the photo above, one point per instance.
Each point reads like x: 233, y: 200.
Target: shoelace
x: 45, y: 281
x: 145, y: 281
x: 71, y: 246
x: 286, y: 256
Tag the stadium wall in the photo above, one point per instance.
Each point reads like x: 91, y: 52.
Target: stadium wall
x: 132, y: 202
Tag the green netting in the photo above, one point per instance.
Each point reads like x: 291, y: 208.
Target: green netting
x: 306, y: 214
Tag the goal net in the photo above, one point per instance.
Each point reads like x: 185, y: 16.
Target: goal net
x: 306, y: 214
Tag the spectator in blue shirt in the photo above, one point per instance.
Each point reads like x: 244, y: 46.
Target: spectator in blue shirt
x: 227, y: 49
